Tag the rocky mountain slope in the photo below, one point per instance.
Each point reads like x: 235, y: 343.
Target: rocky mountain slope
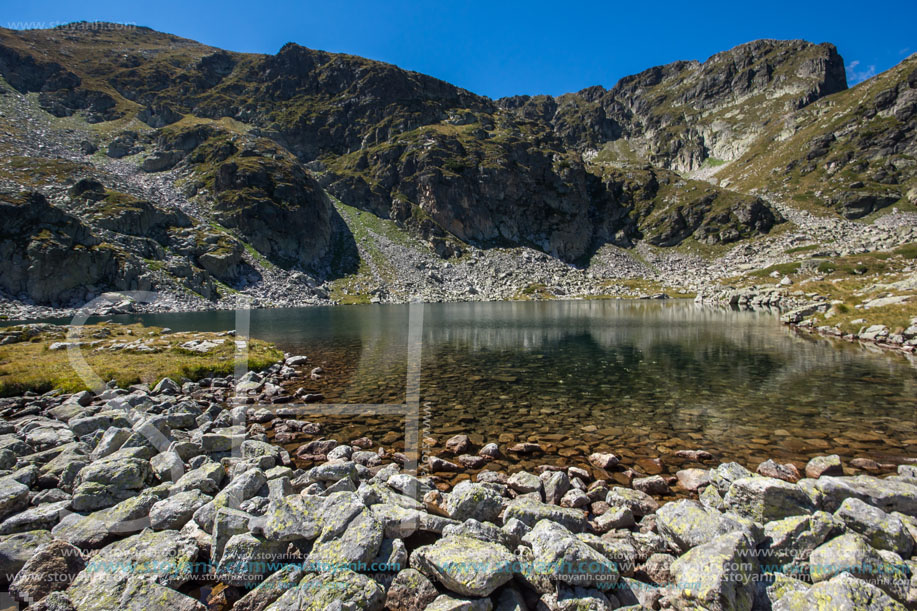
x: 133, y: 159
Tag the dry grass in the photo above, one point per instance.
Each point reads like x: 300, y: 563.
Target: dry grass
x: 31, y: 365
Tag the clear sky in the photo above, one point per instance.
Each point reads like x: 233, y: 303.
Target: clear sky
x: 503, y: 47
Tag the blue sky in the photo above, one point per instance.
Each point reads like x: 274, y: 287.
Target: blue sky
x: 499, y: 48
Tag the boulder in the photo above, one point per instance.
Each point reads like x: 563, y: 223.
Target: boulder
x: 477, y: 501
x: 293, y: 518
x: 789, y: 542
x: 465, y: 565
x: 687, y: 524
x: 887, y: 494
x: 717, y: 576
x: 246, y: 557
x: 851, y: 553
x: 881, y: 530
x: 639, y: 503
x: 173, y: 512
x: 273, y: 587
x: 765, y: 499
x: 340, y: 589
x: 841, y: 593
x: 561, y: 556
x: 530, y: 512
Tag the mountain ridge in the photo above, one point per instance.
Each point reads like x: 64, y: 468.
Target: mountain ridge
x: 269, y: 155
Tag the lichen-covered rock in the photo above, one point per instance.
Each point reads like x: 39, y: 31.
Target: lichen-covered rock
x: 466, y: 566
x: 42, y: 517
x: 842, y: 593
x: 887, y: 494
x: 561, y: 556
x: 246, y: 557
x: 144, y: 595
x: 410, y: 591
x: 104, y: 526
x: 293, y: 518
x: 881, y: 530
x: 477, y: 501
x: 789, y: 542
x: 687, y: 524
x: 207, y: 478
x: 764, y: 499
x: 530, y: 512
x: 725, y: 474
x: 14, y: 497
x: 165, y: 556
x: 718, y: 576
x: 639, y: 503
x: 272, y: 588
x: 399, y: 522
x: 317, y: 592
x: 483, y: 531
x: 851, y: 553
x: 174, y: 512
x: 524, y: 482
x: 359, y: 542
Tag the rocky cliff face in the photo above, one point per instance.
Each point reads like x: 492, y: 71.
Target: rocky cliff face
x: 681, y: 114
x: 219, y: 171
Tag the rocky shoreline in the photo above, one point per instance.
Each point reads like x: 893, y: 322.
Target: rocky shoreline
x: 795, y: 312
x: 178, y: 497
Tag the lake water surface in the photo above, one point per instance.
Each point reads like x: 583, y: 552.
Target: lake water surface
x: 642, y: 379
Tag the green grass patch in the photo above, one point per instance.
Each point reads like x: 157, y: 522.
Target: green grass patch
x: 32, y: 366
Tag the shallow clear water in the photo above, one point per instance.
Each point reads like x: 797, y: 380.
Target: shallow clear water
x: 642, y: 379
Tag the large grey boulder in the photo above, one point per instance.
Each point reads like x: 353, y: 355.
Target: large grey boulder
x: 359, y: 542
x: 42, y: 517
x: 561, y: 556
x: 246, y: 557
x: 639, y: 503
x: 293, y: 518
x: 851, y: 553
x: 881, y: 530
x: 530, y: 512
x: 105, y: 525
x: 174, y: 512
x: 726, y: 474
x: 765, y: 499
x: 341, y: 589
x: 687, y: 524
x: 887, y: 494
x: 14, y: 497
x: 143, y: 595
x: 578, y: 599
x: 273, y: 587
x: 101, y: 585
x: 789, y: 542
x: 477, y: 501
x: 400, y: 522
x: 717, y: 576
x: 464, y: 565
x: 207, y: 478
x: 842, y: 593
x: 444, y: 602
